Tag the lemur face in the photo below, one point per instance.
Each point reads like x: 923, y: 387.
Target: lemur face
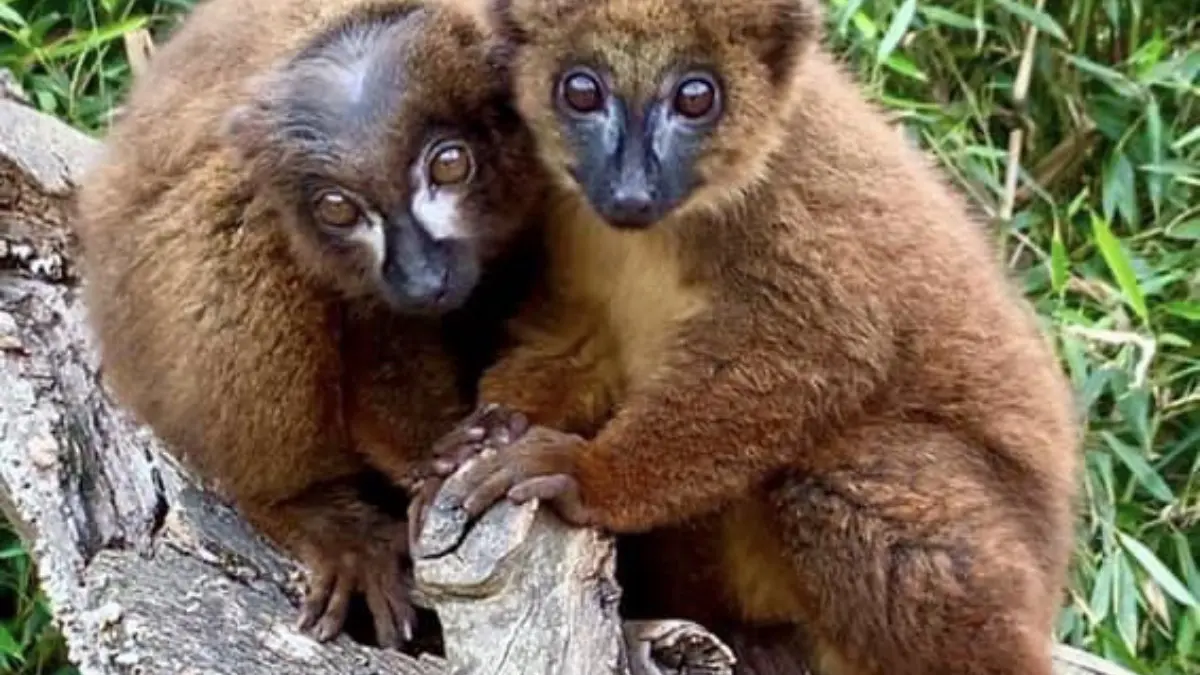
x: 393, y: 149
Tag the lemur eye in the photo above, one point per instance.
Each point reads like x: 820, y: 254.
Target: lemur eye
x: 450, y: 164
x: 696, y: 97
x: 336, y: 210
x: 582, y: 92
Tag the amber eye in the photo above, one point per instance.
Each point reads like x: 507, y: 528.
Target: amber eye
x: 582, y: 92
x: 336, y: 210
x: 695, y: 98
x: 450, y: 164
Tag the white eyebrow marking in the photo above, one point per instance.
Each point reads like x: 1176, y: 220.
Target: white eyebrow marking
x: 438, y: 213
x: 370, y: 234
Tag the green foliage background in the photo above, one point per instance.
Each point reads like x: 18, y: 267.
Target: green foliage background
x: 1105, y: 238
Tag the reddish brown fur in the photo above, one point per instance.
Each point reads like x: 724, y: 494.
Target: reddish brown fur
x: 229, y: 337
x: 812, y: 384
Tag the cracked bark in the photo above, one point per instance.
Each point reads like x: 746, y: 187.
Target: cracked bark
x: 149, y: 573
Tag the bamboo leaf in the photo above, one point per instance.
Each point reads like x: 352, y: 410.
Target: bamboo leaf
x: 1058, y: 262
x: 1119, y: 265
x: 1043, y: 21
x: 1162, y: 576
x: 896, y: 30
x: 1141, y: 469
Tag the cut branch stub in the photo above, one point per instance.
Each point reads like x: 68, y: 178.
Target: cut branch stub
x: 521, y: 593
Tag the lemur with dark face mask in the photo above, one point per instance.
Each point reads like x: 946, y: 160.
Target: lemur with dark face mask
x: 805, y: 391
x: 300, y: 199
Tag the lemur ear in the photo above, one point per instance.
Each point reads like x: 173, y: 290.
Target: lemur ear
x: 247, y: 127
x: 244, y: 129
x: 779, y: 31
x: 250, y: 128
x: 514, y: 20
x: 503, y: 17
x: 507, y: 34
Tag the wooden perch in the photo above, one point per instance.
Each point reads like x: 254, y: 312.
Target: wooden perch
x: 147, y: 572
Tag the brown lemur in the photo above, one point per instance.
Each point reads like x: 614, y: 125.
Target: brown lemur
x: 281, y: 244
x: 811, y: 396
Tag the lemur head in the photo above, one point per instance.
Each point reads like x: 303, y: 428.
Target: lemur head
x: 651, y: 107
x: 389, y: 146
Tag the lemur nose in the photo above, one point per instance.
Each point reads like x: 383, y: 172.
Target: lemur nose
x: 631, y: 208
x: 633, y: 201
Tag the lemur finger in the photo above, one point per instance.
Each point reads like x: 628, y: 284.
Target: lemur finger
x: 320, y: 587
x: 335, y: 612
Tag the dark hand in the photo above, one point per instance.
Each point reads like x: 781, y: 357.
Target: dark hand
x: 491, y: 426
x: 376, y: 569
x: 540, y: 465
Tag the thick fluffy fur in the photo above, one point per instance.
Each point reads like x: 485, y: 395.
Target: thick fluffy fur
x: 257, y: 350
x: 810, y: 383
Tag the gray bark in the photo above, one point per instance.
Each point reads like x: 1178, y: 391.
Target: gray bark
x: 147, y: 572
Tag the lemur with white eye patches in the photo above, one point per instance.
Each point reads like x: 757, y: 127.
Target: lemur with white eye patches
x: 819, y: 415
x: 281, y: 246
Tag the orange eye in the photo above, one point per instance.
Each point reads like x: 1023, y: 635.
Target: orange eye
x: 450, y: 165
x: 336, y: 210
x: 582, y: 92
x: 695, y: 98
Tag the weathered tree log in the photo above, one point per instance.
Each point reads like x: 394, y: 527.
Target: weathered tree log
x: 545, y: 591
x: 147, y: 572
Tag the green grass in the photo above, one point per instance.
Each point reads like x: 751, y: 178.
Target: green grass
x: 1105, y: 237
x: 28, y: 643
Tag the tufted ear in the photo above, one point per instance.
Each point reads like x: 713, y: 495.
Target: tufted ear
x: 249, y: 126
x: 499, y: 58
x: 253, y: 128
x: 779, y: 32
x: 245, y: 129
x: 515, y: 20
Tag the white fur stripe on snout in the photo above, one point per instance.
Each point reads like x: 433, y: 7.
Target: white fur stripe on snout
x: 370, y: 234
x: 438, y: 213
